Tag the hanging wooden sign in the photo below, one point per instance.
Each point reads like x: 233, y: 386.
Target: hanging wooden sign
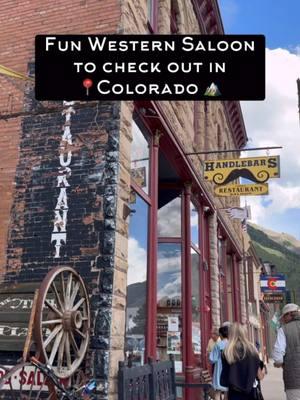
x: 255, y: 169
x: 252, y: 189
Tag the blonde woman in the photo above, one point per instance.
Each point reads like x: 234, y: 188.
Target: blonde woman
x: 240, y: 365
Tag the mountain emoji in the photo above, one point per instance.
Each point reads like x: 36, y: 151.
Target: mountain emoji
x: 212, y: 91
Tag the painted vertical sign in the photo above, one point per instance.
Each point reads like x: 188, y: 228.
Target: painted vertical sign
x: 59, y: 233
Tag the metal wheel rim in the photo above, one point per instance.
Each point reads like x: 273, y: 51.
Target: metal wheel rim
x: 64, y: 329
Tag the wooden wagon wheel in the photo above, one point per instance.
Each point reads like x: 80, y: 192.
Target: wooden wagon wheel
x: 62, y: 321
x: 25, y: 382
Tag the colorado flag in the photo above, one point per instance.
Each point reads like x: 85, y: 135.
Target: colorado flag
x: 272, y: 283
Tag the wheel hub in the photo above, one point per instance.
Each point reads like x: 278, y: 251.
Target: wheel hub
x: 72, y: 320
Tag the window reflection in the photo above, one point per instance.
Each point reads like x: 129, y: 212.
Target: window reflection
x: 194, y: 225
x: 169, y: 218
x: 140, y: 158
x: 137, y: 281
x: 196, y: 302
x: 169, y: 317
x: 168, y: 273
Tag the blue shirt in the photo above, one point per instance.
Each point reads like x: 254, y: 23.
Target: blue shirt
x: 215, y: 357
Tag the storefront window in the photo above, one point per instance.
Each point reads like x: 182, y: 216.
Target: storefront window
x: 169, y: 219
x: 140, y: 154
x: 196, y: 302
x: 194, y: 225
x: 169, y: 318
x: 136, y: 281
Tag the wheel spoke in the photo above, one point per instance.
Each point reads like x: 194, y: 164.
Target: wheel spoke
x: 80, y: 333
x: 52, y: 321
x: 77, y: 305
x: 63, y: 289
x: 74, y: 294
x: 68, y: 294
x: 53, y: 308
x: 55, y: 347
x: 68, y: 352
x: 57, y: 297
x: 52, y: 335
x: 74, y: 344
x: 61, y: 351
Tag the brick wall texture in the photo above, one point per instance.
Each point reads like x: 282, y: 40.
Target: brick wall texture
x: 30, y: 145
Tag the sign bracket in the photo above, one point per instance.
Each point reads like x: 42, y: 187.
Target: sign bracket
x: 232, y: 150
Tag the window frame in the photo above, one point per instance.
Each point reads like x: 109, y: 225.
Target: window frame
x: 149, y: 198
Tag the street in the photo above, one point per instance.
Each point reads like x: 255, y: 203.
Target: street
x: 272, y: 384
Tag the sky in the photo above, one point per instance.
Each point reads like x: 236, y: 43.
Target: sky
x: 274, y: 121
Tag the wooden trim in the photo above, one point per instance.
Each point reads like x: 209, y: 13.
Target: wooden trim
x: 152, y: 255
x: 140, y: 191
x: 187, y: 289
x: 164, y: 239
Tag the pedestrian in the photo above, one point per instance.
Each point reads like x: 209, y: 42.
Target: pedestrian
x: 214, y: 337
x: 215, y: 357
x: 240, y: 365
x: 286, y: 353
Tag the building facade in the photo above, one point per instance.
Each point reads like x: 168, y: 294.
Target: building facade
x: 109, y: 189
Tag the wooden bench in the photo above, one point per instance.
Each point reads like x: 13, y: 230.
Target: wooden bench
x: 153, y: 381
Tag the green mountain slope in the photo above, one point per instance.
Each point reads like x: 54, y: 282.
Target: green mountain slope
x: 286, y: 259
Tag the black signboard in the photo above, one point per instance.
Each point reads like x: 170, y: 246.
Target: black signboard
x: 15, y: 308
x: 273, y: 297
x: 150, y: 67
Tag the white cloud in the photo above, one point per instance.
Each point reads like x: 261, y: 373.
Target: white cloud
x: 169, y: 222
x: 280, y: 200
x: 275, y: 122
x: 137, y: 260
x: 172, y: 288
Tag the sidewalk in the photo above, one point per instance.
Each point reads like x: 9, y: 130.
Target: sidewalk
x: 272, y: 384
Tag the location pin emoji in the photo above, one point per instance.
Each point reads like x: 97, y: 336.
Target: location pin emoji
x: 87, y: 83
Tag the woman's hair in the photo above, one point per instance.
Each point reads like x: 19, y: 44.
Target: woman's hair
x: 238, y: 345
x: 223, y: 331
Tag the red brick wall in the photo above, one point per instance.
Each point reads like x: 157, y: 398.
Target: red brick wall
x: 20, y: 21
